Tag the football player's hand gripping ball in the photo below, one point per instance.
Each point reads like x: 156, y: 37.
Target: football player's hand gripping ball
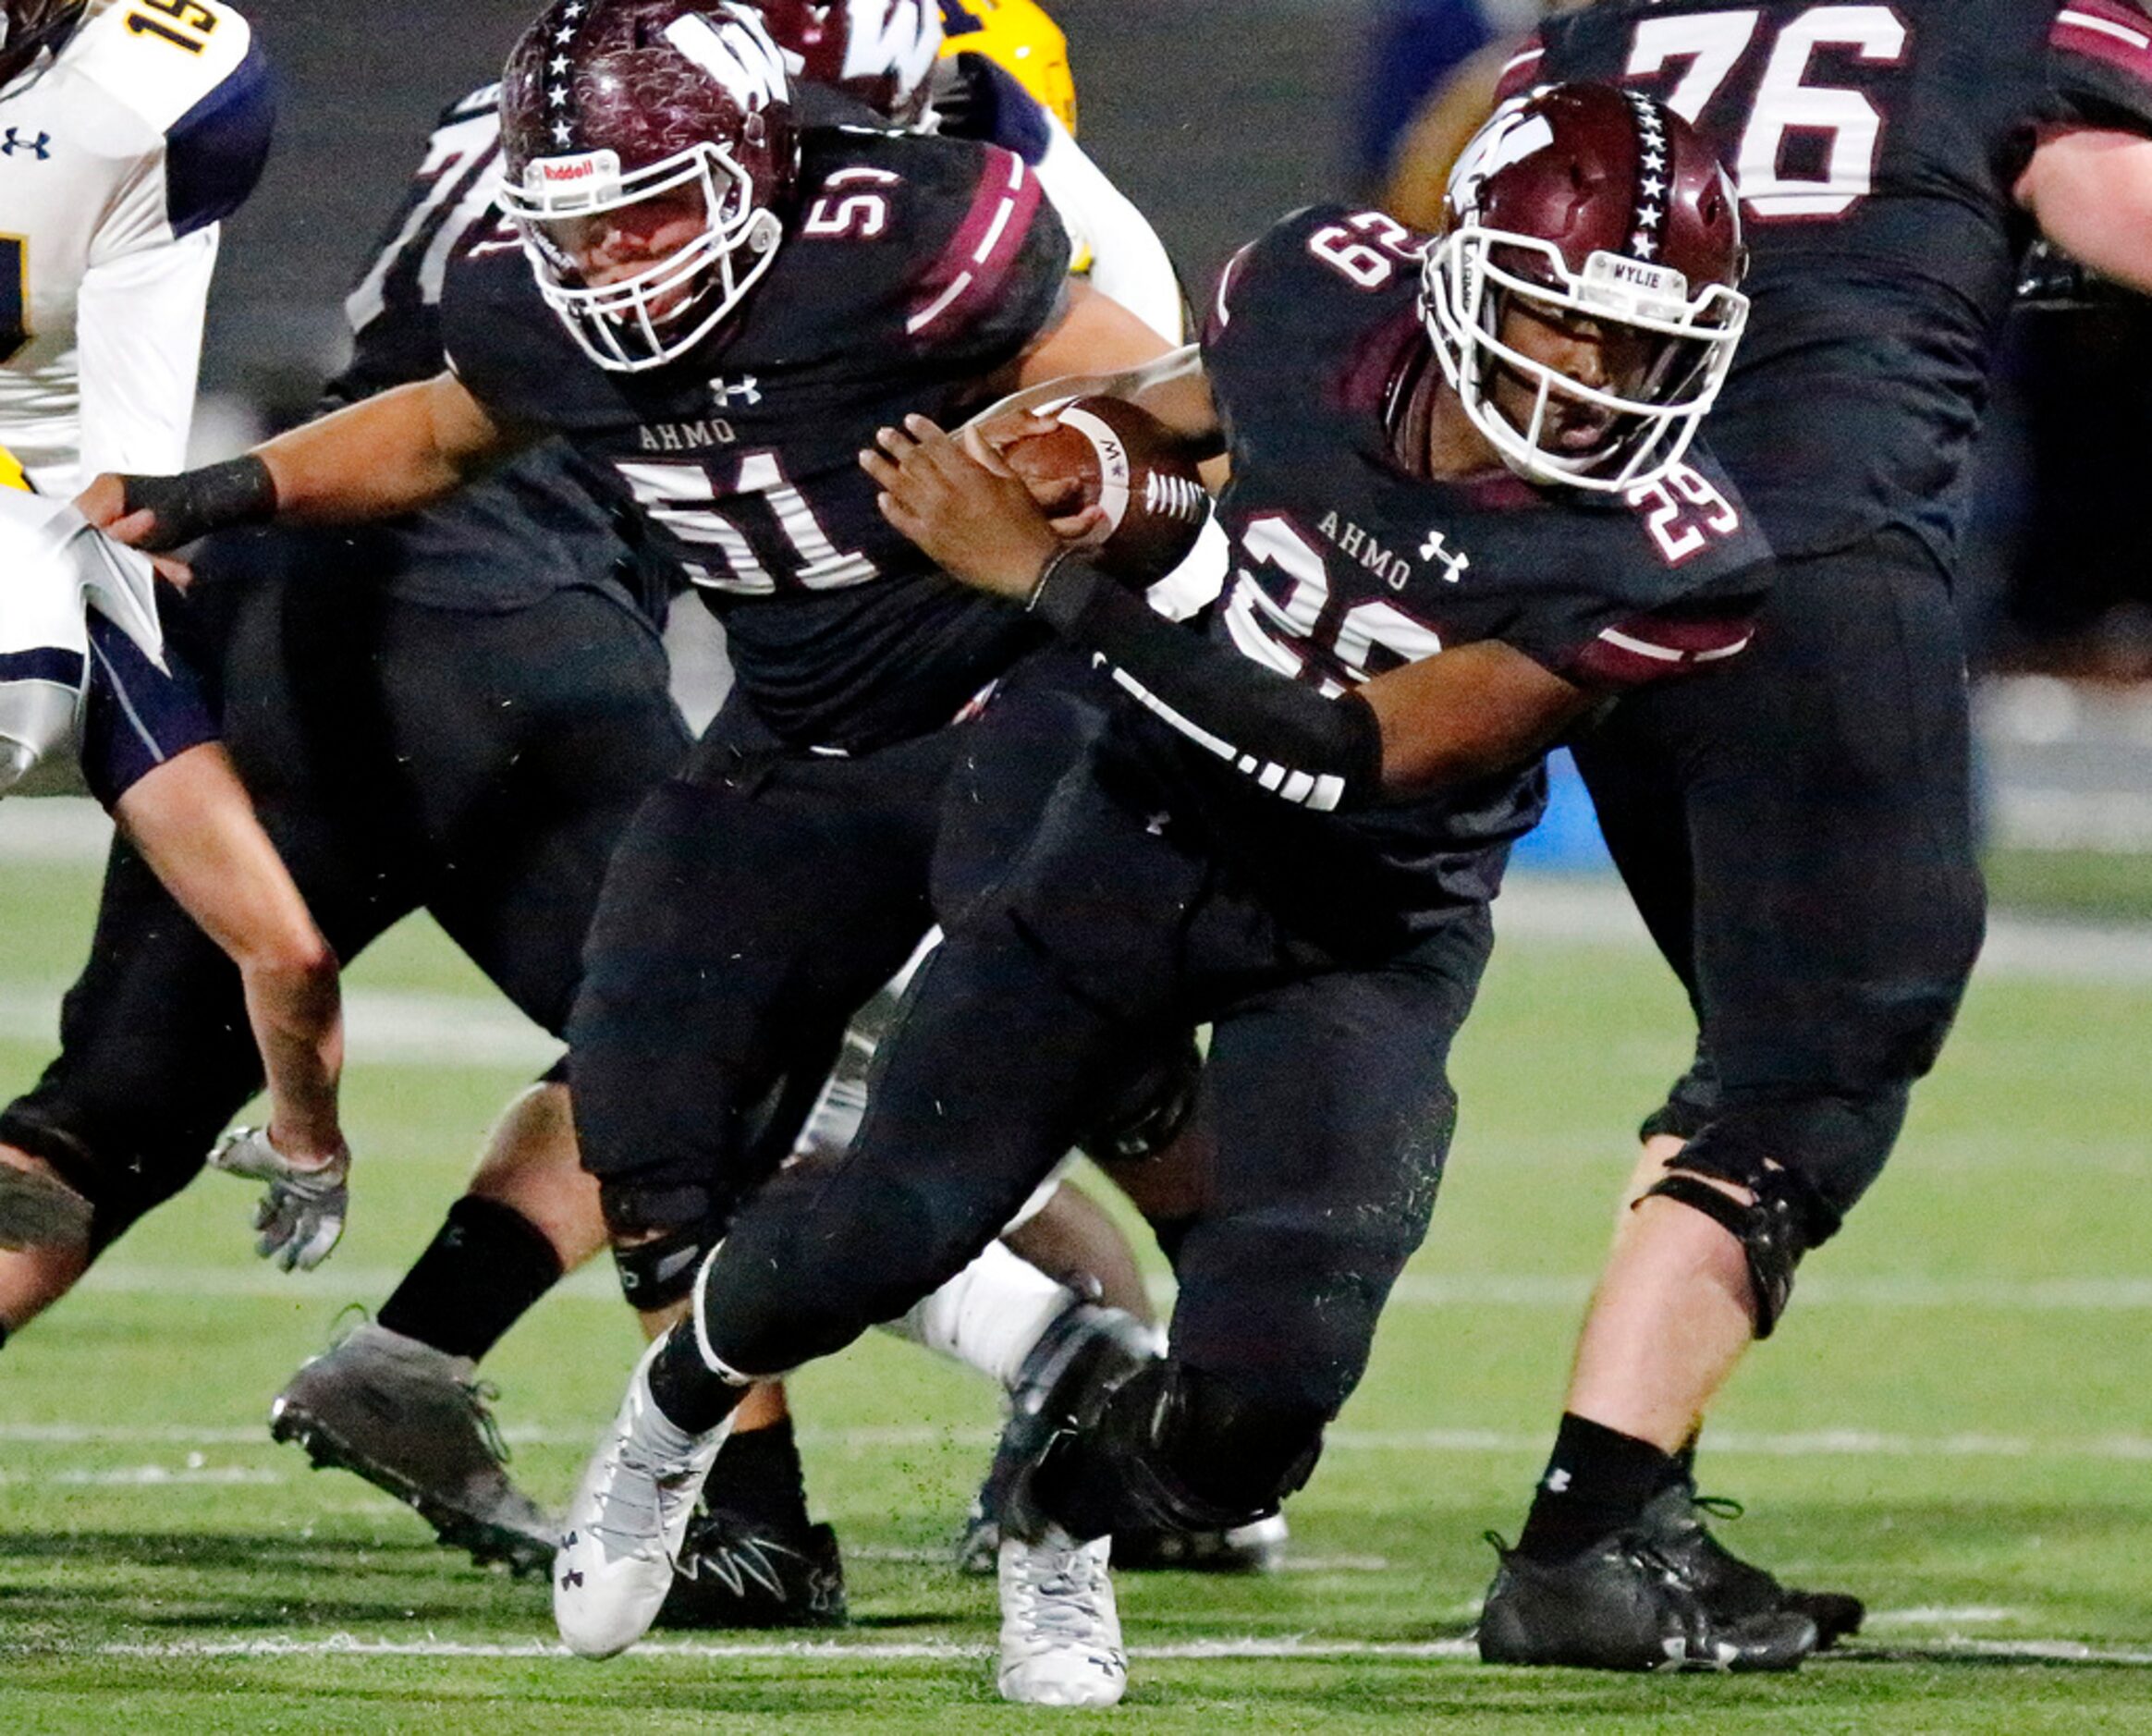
x: 981, y: 525
x: 302, y: 1213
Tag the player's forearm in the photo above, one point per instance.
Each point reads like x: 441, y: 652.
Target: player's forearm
x: 294, y: 1007
x: 374, y: 460
x: 392, y: 454
x: 1442, y: 722
x: 194, y: 826
x: 1286, y: 738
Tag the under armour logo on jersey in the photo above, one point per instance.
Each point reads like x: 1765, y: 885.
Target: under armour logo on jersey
x: 1435, y: 548
x: 735, y: 49
x: 746, y: 389
x: 40, y: 146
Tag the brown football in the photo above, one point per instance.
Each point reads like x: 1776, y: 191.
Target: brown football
x: 1108, y: 452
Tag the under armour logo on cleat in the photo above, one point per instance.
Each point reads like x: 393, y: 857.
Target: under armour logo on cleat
x: 1557, y: 1483
x: 41, y: 145
x: 571, y: 1579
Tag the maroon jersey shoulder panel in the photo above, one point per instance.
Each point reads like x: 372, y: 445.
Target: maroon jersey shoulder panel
x: 2102, y: 57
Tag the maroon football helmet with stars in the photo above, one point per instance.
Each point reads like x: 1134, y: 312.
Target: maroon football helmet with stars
x: 648, y: 146
x: 1586, y: 203
x: 877, y: 51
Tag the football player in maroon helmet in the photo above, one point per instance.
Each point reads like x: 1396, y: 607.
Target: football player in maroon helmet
x: 1586, y: 210
x: 1288, y: 827
x: 1801, y: 842
x: 646, y: 171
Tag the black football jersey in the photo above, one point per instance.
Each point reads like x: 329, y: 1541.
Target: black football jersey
x: 911, y: 267
x: 1346, y: 565
x: 536, y: 525
x: 1876, y: 147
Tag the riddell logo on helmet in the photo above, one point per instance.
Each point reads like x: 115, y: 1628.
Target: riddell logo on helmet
x: 590, y: 167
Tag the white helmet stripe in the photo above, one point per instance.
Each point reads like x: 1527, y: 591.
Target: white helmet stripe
x: 738, y: 52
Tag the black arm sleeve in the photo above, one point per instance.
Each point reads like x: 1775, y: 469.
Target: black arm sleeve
x: 1317, y: 752
x: 193, y: 502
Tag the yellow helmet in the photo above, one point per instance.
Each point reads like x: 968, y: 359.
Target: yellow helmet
x: 1018, y: 36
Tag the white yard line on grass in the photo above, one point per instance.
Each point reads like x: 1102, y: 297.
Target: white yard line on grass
x: 1289, y: 1650
x: 1830, y: 1443
x: 1597, y: 912
x: 403, y: 1030
x: 1293, y: 1563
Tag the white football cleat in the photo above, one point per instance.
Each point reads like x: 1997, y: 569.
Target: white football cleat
x: 615, y: 1561
x: 1061, y: 1634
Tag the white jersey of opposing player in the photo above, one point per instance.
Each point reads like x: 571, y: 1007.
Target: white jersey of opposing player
x: 116, y: 161
x: 56, y: 569
x: 1116, y: 245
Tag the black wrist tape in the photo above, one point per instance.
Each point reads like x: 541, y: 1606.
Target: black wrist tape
x: 1317, y: 752
x: 193, y: 502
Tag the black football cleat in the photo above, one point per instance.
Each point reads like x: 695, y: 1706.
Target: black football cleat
x: 1623, y: 1604
x: 733, y: 1573
x: 413, y: 1421
x: 1734, y: 1589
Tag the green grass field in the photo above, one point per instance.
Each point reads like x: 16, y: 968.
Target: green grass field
x: 1952, y: 1422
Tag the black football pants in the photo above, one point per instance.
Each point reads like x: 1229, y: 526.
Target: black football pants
x: 758, y: 899
x: 1796, y: 828
x: 1325, y: 1089
x: 480, y: 765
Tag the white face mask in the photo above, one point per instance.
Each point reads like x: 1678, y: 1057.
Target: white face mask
x: 568, y: 206
x: 1647, y: 422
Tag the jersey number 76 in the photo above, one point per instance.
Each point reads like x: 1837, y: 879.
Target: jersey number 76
x: 1804, y: 150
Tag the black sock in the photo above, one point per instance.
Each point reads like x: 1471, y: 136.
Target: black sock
x: 689, y: 1395
x: 758, y: 1478
x: 1598, y: 1480
x: 479, y: 1276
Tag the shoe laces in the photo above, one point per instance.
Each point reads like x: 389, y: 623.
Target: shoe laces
x: 350, y: 1318
x: 631, y: 1507
x: 483, y: 1395
x: 1061, y: 1592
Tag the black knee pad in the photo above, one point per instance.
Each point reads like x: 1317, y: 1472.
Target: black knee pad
x: 657, y: 1260
x: 1149, y: 1115
x: 1784, y: 1216
x: 1180, y: 1449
